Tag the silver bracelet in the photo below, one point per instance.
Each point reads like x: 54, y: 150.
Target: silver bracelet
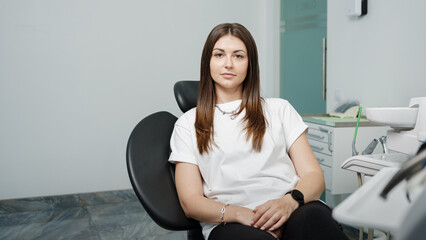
x: 222, y: 214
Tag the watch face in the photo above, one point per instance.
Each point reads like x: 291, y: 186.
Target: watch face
x: 297, y: 194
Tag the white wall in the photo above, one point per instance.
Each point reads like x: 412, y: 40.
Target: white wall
x: 77, y: 76
x: 380, y: 58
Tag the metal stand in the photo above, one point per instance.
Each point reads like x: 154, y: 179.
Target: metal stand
x: 361, y: 229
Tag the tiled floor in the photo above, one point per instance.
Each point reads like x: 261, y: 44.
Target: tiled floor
x: 98, y: 216
x: 114, y: 215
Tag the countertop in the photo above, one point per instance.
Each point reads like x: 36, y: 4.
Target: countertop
x: 325, y: 119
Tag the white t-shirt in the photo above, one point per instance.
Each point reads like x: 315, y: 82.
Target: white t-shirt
x: 233, y: 173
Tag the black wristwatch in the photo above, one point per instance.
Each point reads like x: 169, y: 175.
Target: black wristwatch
x: 298, y: 196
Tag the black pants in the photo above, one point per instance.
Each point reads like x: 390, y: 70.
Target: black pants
x: 311, y: 221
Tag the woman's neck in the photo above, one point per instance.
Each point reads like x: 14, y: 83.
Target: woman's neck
x: 224, y: 97
x: 226, y: 100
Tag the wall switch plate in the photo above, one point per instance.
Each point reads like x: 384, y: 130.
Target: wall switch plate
x: 356, y: 7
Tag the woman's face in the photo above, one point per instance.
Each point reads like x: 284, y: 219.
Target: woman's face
x: 228, y: 64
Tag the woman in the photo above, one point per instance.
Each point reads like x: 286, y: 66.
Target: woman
x: 244, y: 167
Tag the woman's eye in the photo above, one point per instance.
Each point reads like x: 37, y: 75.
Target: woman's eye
x: 239, y: 56
x: 218, y: 54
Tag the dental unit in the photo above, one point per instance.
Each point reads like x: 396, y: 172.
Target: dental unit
x: 394, y: 198
x: 407, y: 133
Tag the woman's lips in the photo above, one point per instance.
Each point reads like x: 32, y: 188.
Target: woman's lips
x: 227, y: 75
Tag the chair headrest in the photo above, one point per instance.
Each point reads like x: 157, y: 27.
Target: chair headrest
x: 186, y: 94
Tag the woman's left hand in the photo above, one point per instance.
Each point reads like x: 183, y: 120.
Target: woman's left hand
x: 274, y: 213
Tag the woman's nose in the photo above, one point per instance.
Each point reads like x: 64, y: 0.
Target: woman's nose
x: 228, y: 62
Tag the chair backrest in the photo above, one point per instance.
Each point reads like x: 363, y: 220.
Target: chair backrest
x: 186, y: 94
x: 151, y: 174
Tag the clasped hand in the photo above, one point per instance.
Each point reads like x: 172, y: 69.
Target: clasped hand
x: 271, y: 215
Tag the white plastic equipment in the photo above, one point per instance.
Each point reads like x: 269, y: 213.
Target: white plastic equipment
x: 407, y: 133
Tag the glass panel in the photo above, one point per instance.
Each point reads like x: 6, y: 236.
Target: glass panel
x: 303, y: 26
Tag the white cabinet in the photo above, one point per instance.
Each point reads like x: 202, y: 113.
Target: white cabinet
x: 331, y: 143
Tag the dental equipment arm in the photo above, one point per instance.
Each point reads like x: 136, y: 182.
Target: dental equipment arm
x: 383, y: 142
x: 370, y: 148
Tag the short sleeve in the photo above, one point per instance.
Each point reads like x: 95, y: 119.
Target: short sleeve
x: 181, y: 144
x: 293, y: 124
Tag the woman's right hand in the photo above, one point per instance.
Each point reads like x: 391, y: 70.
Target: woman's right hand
x: 238, y: 214
x: 244, y: 216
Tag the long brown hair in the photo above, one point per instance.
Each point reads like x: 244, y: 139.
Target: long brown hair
x: 255, y: 122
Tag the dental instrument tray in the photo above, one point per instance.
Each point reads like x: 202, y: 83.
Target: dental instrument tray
x: 371, y: 164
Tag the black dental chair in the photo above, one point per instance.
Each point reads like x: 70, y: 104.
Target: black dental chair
x: 151, y: 175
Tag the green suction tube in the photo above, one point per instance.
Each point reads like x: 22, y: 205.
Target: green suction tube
x: 354, y: 151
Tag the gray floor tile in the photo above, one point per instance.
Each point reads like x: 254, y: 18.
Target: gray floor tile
x: 128, y: 231
x: 69, y: 229
x: 89, y: 199
x: 66, y: 229
x: 118, y: 209
x: 25, y: 205
x: 22, y: 218
x: 109, y: 221
x: 98, y: 216
x: 65, y: 201
x: 21, y: 232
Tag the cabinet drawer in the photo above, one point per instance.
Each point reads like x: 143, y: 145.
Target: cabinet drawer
x: 324, y: 159
x: 320, y: 147
x: 327, y: 176
x: 316, y: 134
